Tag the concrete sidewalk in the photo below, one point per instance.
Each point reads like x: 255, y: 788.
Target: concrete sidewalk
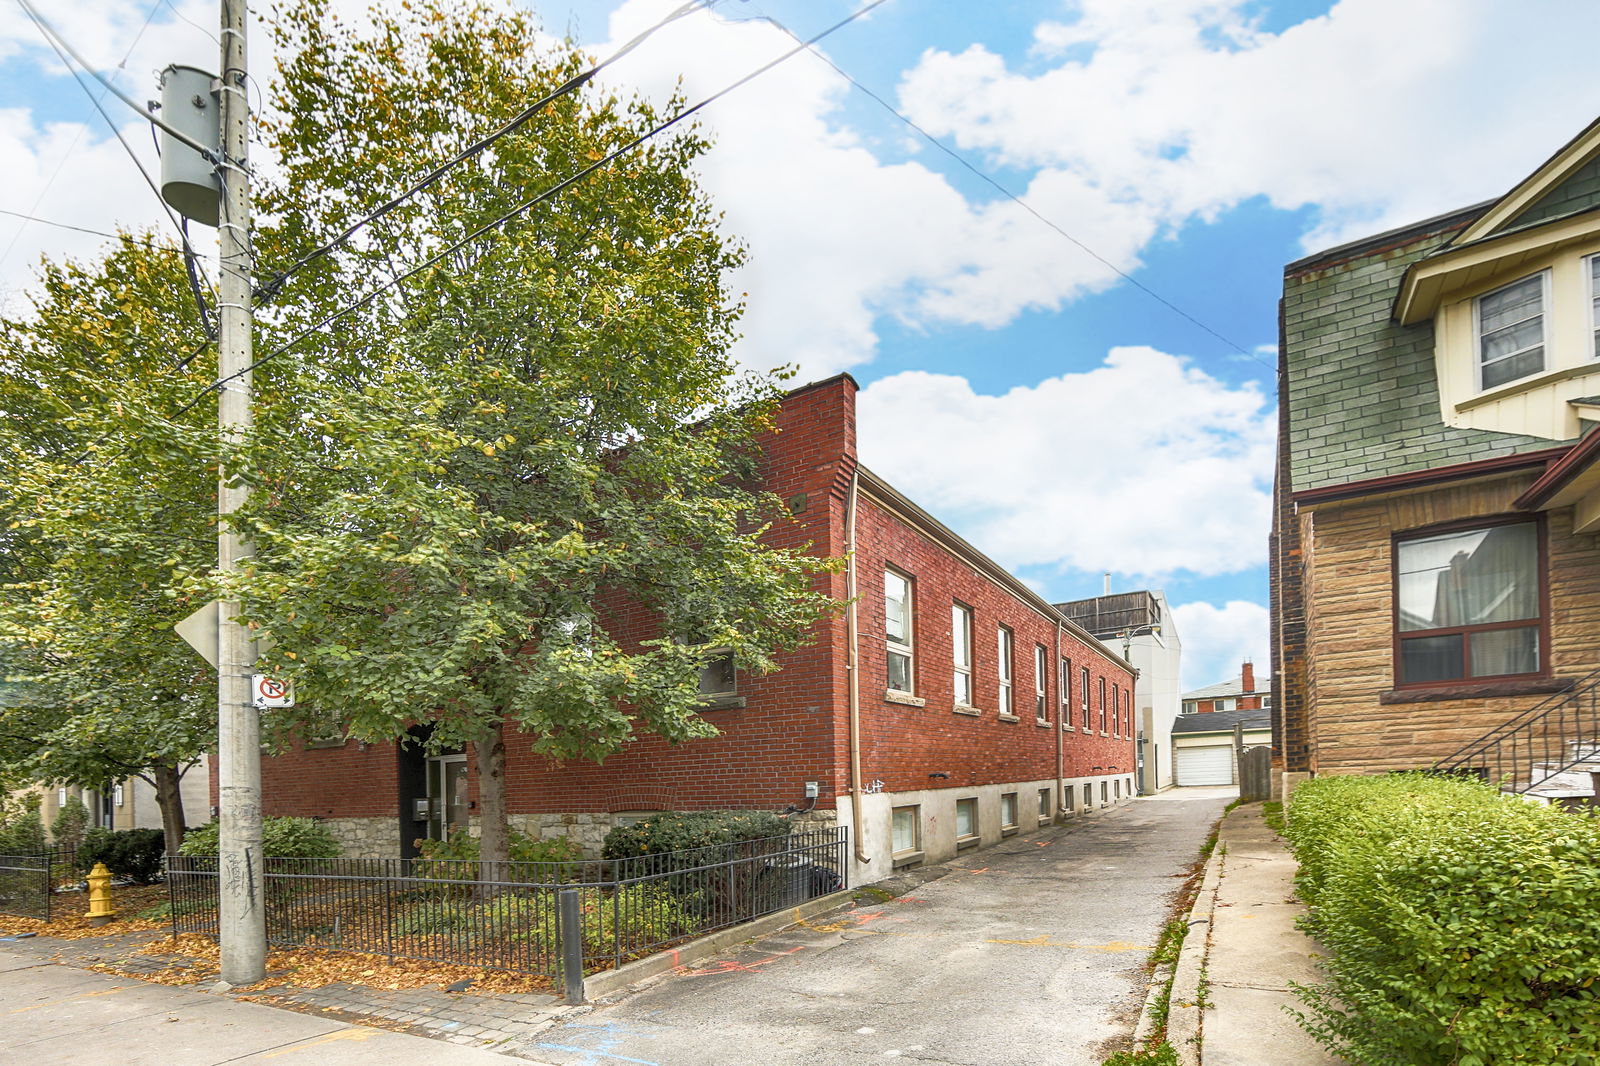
x: 1244, y: 946
x: 57, y: 1015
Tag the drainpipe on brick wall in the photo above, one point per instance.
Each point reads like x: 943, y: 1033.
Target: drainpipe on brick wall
x: 853, y: 652
x: 1061, y: 725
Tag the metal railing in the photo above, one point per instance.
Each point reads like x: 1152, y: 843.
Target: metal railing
x: 505, y: 915
x: 28, y: 880
x: 1535, y: 746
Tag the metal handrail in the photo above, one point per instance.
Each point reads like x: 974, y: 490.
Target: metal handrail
x: 1544, y: 725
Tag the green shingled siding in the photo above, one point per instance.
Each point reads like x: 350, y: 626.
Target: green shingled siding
x: 1581, y: 190
x: 1363, y: 400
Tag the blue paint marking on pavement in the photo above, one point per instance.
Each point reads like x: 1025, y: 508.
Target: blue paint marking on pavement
x: 607, y: 1035
x: 590, y: 1053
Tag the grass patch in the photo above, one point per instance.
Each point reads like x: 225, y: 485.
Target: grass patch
x: 1161, y: 1054
x: 1272, y: 813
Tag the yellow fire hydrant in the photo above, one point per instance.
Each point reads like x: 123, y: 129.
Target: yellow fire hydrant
x: 100, y: 909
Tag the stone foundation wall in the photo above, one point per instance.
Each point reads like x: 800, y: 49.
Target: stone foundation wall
x: 366, y: 838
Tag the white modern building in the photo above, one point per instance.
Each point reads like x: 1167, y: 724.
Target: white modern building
x: 1140, y: 625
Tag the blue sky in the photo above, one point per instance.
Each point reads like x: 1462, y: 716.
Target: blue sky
x: 1043, y: 403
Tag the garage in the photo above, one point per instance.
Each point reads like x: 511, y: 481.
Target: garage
x: 1209, y: 765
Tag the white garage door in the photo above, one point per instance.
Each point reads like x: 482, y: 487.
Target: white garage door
x: 1206, y: 766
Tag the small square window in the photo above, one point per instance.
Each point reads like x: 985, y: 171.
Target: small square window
x: 1008, y: 810
x: 907, y: 830
x: 966, y: 820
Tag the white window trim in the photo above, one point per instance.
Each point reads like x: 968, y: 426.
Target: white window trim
x: 1006, y: 646
x: 1544, y: 330
x: 1590, y: 262
x: 1041, y: 682
x: 1016, y: 812
x: 915, y: 850
x: 908, y: 647
x: 961, y: 648
x: 977, y: 827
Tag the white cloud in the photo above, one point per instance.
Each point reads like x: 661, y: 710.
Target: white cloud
x: 1216, y: 640
x: 1145, y: 465
x: 1379, y: 112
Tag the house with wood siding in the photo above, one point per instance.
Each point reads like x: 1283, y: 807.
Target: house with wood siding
x: 1435, y: 570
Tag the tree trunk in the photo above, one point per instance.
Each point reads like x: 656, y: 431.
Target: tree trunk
x: 169, y: 797
x: 494, y: 828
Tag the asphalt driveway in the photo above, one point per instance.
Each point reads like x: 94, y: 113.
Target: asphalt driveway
x: 1028, y: 952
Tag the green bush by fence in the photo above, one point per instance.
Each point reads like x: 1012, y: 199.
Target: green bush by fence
x: 463, y: 846
x: 22, y: 833
x: 1463, y: 927
x: 131, y: 853
x: 288, y: 838
x: 684, y: 830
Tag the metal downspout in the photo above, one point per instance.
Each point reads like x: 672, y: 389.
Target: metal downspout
x: 853, y: 652
x: 1062, y: 709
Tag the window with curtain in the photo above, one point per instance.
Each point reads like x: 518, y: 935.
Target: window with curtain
x: 1468, y: 604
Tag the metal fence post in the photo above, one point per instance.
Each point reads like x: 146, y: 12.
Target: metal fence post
x: 571, y: 946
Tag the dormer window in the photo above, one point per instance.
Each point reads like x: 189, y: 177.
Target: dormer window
x: 1594, y: 301
x: 1511, y: 331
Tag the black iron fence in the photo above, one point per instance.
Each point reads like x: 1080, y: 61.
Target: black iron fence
x: 28, y: 880
x: 506, y: 915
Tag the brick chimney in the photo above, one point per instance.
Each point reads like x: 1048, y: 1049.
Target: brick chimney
x: 1248, y: 677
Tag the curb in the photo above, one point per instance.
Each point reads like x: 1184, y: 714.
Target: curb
x: 1185, y: 1007
x: 609, y: 981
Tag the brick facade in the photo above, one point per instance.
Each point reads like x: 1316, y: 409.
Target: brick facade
x: 793, y: 725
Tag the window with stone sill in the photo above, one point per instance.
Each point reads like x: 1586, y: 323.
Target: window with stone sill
x: 961, y: 651
x: 1008, y: 810
x: 1468, y: 604
x: 906, y: 830
x: 898, y: 635
x: 1041, y: 671
x: 966, y: 820
x: 1005, y: 643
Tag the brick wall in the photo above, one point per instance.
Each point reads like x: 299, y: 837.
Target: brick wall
x: 1349, y: 592
x: 793, y: 727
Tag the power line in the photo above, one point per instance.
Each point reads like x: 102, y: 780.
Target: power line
x: 58, y: 42
x: 1013, y: 197
x: 183, y: 234
x: 270, y: 287
x: 92, y: 232
x: 78, y: 134
x: 539, y: 198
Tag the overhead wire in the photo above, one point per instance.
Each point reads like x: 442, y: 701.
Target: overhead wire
x: 78, y: 134
x: 270, y: 287
x: 533, y: 201
x: 1012, y: 196
x: 83, y: 229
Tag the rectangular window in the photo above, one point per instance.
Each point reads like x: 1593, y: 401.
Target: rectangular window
x: 1468, y: 604
x: 1083, y: 695
x: 1064, y: 693
x: 1594, y: 301
x: 717, y: 676
x: 961, y: 648
x: 907, y: 829
x: 1041, y: 675
x: 1068, y: 794
x: 966, y: 820
x: 1088, y: 797
x: 1102, y: 705
x: 1116, y: 789
x: 1006, y: 641
x: 1008, y: 810
x: 1103, y: 798
x: 1045, y: 813
x: 897, y: 629
x: 1511, y: 331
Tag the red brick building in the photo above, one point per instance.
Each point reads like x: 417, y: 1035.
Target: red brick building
x: 977, y: 707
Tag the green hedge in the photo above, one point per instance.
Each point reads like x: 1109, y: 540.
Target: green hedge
x: 681, y: 830
x: 289, y: 838
x: 131, y: 853
x: 1463, y: 926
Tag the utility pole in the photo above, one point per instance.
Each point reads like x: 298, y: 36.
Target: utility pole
x: 242, y: 922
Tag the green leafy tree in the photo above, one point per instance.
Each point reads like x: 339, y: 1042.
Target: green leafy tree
x: 105, y: 523
x: 71, y: 822
x: 468, y: 489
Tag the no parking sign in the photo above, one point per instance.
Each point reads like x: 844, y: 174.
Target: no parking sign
x: 270, y: 692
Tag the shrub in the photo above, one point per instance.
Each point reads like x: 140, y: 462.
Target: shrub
x: 463, y: 846
x: 134, y: 854
x: 72, y: 820
x: 1461, y: 925
x: 22, y: 834
x: 681, y: 830
x: 288, y: 838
